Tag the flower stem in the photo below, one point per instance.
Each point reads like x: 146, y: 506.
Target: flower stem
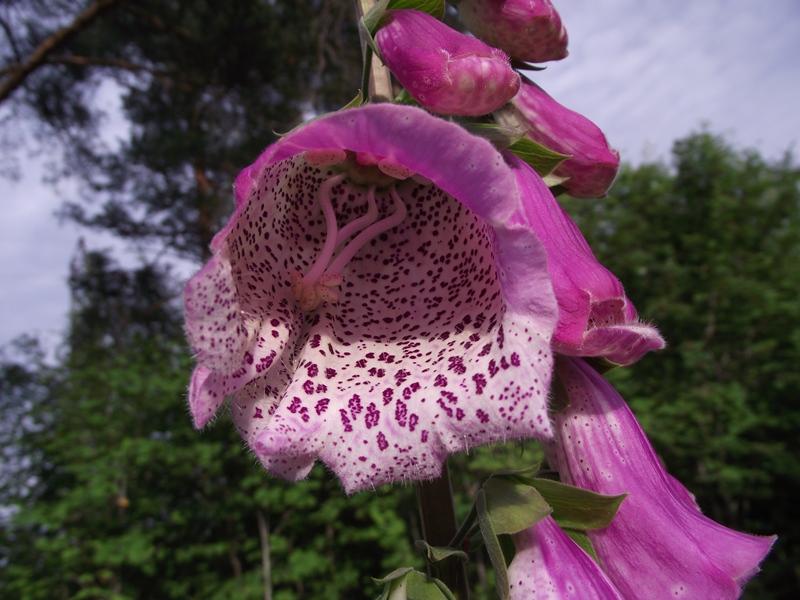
x: 377, y: 77
x: 439, y: 526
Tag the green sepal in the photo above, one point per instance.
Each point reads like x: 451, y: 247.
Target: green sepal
x: 493, y: 547
x: 576, y: 508
x: 501, y: 136
x: 355, y: 102
x: 541, y: 159
x: 437, y: 553
x: 582, y: 539
x: 405, y: 98
x: 408, y: 584
x: 513, y: 504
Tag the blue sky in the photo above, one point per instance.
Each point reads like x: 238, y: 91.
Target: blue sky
x: 646, y: 71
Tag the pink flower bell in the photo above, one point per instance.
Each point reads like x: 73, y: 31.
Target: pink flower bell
x: 447, y: 72
x: 595, y: 317
x: 593, y: 163
x: 528, y: 30
x: 549, y: 565
x: 659, y: 545
x: 377, y: 300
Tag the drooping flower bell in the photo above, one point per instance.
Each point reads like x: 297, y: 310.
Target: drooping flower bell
x: 659, y: 544
x: 377, y: 300
x: 447, y: 72
x: 528, y: 30
x: 549, y: 565
x: 592, y: 165
x: 595, y: 316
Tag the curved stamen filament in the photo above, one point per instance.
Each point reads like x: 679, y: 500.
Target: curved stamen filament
x: 326, y: 254
x: 318, y: 284
x: 349, y: 251
x: 360, y: 223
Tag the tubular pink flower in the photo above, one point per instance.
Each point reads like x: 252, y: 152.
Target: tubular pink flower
x: 659, y: 545
x: 593, y: 163
x: 361, y: 317
x: 528, y: 30
x: 595, y: 318
x: 444, y: 70
x: 548, y: 565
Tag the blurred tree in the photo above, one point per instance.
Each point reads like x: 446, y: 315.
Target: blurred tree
x: 709, y: 251
x: 204, y: 86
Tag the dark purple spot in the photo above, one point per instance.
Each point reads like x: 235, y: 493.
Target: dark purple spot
x: 382, y: 443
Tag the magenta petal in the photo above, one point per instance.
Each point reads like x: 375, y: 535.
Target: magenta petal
x: 444, y: 70
x: 593, y: 164
x: 595, y: 317
x: 440, y: 338
x: 659, y: 545
x: 548, y: 565
x: 528, y: 30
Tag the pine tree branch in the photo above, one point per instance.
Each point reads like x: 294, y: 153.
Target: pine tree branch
x: 39, y: 56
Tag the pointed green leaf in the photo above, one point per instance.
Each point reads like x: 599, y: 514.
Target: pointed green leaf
x: 408, y: 584
x: 580, y: 538
x: 541, y: 159
x: 437, y: 553
x: 355, y: 102
x: 577, y: 508
x: 393, y: 575
x: 493, y: 547
x: 513, y: 505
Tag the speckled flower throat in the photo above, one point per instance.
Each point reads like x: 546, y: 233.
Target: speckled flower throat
x: 412, y: 331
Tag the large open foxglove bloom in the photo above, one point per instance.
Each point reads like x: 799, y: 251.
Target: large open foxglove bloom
x: 659, y: 545
x: 595, y: 316
x: 379, y: 299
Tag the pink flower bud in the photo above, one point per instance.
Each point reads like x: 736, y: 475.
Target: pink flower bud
x: 594, y: 163
x: 444, y: 70
x: 528, y: 30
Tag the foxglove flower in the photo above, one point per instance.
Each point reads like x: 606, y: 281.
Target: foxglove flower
x: 377, y: 300
x: 444, y: 70
x: 548, y: 565
x: 595, y: 317
x: 528, y: 30
x: 659, y: 544
x: 593, y: 163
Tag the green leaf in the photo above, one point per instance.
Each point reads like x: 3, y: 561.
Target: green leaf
x: 493, y: 547
x: 541, y: 159
x: 408, y: 584
x: 513, y: 505
x: 582, y: 539
x: 437, y: 553
x: 577, y: 508
x: 355, y: 102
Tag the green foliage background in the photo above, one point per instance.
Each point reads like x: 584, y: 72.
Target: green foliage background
x: 105, y: 489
